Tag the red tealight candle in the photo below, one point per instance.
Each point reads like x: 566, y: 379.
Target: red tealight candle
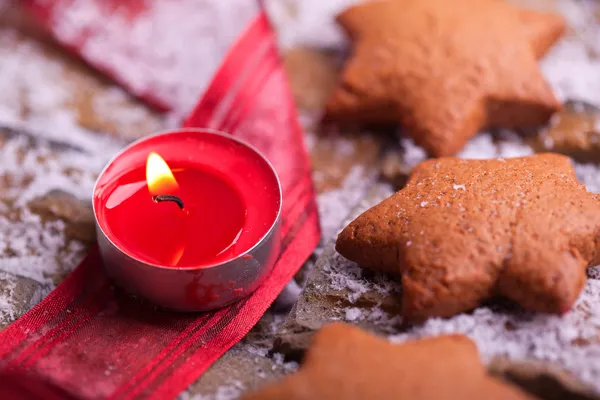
x: 156, y: 213
x: 188, y: 219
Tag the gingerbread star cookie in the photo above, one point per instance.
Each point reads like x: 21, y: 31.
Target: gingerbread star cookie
x: 445, y: 69
x: 463, y: 231
x: 344, y: 362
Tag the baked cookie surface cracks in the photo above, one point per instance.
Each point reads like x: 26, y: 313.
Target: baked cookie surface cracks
x: 464, y: 231
x: 445, y: 69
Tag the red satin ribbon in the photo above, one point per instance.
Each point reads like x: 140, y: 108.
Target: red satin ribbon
x: 90, y: 340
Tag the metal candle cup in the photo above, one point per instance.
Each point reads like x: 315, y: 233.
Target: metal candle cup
x: 236, y: 271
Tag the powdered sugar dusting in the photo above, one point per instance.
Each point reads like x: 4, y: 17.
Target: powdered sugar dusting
x: 413, y: 154
x: 42, y: 90
x: 279, y: 360
x: 57, y: 153
x: 29, y: 246
x: 353, y: 314
x: 571, y: 341
x: 589, y: 174
x: 344, y: 275
x: 46, y: 149
x: 571, y: 58
x: 480, y: 147
x: 308, y: 22
x: 335, y: 204
x: 7, y: 306
x: 27, y: 252
x: 346, y: 281
x: 37, y: 95
x: 572, y: 65
x: 348, y: 276
x: 230, y: 391
x: 167, y: 69
x: 17, y: 295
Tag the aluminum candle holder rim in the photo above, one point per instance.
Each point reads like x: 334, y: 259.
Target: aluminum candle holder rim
x: 200, y: 130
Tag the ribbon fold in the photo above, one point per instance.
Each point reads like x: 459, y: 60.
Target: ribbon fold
x: 90, y: 340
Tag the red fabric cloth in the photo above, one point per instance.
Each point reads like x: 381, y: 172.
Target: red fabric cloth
x: 20, y: 386
x: 91, y: 340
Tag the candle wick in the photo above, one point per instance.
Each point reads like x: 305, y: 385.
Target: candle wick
x: 168, y: 197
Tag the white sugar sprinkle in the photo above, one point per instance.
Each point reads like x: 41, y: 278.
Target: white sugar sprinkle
x: 334, y: 205
x: 572, y: 65
x: 7, y: 306
x: 570, y: 341
x: 167, y: 68
x: 37, y: 96
x: 308, y: 22
x: 353, y: 314
x: 230, y: 391
x: 571, y: 70
x: 32, y: 247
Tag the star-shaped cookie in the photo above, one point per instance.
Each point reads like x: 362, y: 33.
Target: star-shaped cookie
x: 344, y: 362
x: 463, y: 231
x: 445, y: 69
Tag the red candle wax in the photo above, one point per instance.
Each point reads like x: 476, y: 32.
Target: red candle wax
x: 230, y: 194
x: 205, y: 231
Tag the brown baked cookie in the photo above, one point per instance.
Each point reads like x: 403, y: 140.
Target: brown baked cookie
x: 444, y: 69
x: 344, y: 362
x: 464, y: 231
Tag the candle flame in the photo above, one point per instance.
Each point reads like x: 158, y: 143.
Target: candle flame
x: 159, y: 177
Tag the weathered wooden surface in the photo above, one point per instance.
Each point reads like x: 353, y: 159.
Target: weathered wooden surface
x: 63, y: 122
x: 338, y: 290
